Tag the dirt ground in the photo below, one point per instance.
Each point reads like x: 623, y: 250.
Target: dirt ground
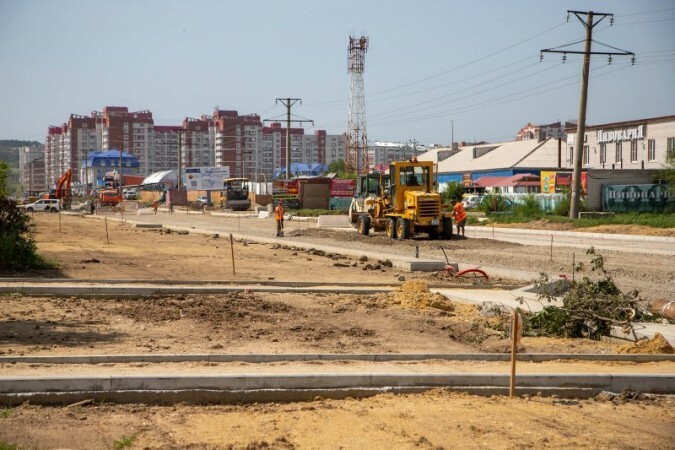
x: 433, y: 420
x: 410, y: 320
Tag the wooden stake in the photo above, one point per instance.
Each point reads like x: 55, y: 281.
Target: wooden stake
x: 107, y: 236
x: 551, y: 247
x: 232, y: 251
x: 59, y: 221
x: 515, y: 338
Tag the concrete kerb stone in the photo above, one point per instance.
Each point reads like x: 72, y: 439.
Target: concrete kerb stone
x: 381, y: 357
x: 599, y: 236
x: 656, y: 384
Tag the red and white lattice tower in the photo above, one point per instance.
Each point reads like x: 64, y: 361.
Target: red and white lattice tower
x: 357, y: 138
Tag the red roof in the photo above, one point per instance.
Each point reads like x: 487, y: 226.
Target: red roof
x: 521, y: 179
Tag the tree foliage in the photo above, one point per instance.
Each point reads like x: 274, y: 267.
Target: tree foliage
x: 17, y: 247
x: 4, y: 172
x: 339, y: 166
x: 453, y: 191
x: 590, y: 307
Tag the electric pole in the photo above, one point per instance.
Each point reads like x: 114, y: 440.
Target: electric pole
x: 592, y: 19
x: 180, y: 132
x: 288, y: 103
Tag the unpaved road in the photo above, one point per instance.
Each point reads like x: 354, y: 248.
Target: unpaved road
x: 296, y: 323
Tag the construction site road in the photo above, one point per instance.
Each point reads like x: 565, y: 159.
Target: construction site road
x: 635, y: 262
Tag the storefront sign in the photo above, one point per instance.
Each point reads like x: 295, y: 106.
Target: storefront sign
x: 637, y: 198
x: 627, y: 134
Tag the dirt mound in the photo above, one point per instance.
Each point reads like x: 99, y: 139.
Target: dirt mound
x: 656, y: 345
x: 415, y: 294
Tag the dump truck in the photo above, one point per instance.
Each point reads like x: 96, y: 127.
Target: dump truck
x: 403, y: 203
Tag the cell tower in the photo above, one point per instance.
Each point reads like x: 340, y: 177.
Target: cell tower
x: 357, y: 138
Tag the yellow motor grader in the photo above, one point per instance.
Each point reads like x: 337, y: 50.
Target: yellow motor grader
x: 402, y: 203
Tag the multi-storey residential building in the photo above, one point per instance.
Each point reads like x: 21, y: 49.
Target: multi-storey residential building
x: 380, y: 154
x: 131, y: 132
x: 539, y: 132
x: 226, y: 138
x: 233, y: 139
x: 32, y: 169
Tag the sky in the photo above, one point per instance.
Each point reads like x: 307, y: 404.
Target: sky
x: 434, y: 69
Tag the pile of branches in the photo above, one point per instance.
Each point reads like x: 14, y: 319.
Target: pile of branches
x: 590, y: 307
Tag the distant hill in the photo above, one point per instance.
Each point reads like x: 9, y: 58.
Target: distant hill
x: 9, y: 152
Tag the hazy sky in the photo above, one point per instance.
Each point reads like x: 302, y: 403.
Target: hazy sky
x: 474, y: 64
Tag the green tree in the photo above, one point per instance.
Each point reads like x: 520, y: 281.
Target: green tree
x: 453, y: 191
x: 340, y: 168
x: 667, y: 175
x: 17, y: 247
x: 4, y: 172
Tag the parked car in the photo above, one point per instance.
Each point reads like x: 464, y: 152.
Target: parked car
x: 44, y: 204
x: 203, y: 200
x: 471, y: 201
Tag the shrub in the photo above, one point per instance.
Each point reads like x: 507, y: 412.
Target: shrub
x: 492, y: 203
x: 453, y: 191
x: 17, y: 247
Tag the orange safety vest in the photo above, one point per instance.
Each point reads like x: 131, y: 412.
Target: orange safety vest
x: 458, y: 212
x: 279, y: 212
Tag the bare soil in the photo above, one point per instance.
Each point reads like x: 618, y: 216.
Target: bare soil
x: 410, y: 320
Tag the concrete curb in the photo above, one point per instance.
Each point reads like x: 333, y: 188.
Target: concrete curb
x: 50, y: 390
x: 377, y: 357
x: 598, y: 236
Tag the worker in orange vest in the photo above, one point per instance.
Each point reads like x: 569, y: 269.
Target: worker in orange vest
x: 460, y: 216
x: 279, y: 217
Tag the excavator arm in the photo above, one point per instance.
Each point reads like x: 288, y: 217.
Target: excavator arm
x: 63, y: 180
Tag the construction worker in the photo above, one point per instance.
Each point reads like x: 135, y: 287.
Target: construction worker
x: 279, y: 217
x: 460, y: 216
x: 155, y: 205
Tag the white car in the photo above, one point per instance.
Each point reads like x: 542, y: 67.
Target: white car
x: 202, y: 199
x: 471, y: 201
x: 44, y: 204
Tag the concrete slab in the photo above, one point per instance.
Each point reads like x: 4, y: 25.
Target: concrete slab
x: 333, y: 221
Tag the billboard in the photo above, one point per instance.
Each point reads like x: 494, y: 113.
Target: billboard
x: 637, y: 198
x: 205, y: 178
x: 342, y: 188
x: 286, y: 190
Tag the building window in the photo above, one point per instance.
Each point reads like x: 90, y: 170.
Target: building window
x: 571, y: 156
x: 619, y: 153
x: 670, y: 149
x: 586, y: 156
x: 651, y: 150
x: 603, y: 153
x: 633, y: 151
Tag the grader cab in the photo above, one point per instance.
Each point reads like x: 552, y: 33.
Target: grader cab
x: 404, y: 203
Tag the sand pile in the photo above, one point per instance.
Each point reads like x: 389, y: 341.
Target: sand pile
x: 415, y: 294
x: 657, y: 344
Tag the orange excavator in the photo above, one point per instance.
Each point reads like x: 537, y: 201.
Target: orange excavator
x: 63, y: 191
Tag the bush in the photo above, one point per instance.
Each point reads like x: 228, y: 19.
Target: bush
x: 17, y: 247
x: 530, y: 207
x: 492, y: 203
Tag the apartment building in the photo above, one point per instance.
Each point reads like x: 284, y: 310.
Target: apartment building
x: 381, y: 154
x: 225, y: 138
x: 32, y: 169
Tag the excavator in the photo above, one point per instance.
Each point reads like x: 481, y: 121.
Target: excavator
x: 63, y: 192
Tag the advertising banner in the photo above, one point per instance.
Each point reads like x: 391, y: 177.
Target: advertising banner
x: 342, y: 188
x: 547, y: 182
x: 563, y: 180
x: 637, y: 198
x: 286, y: 190
x: 205, y: 178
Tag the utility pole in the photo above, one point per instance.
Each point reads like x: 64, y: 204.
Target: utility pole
x: 288, y: 103
x: 592, y: 19
x: 180, y: 132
